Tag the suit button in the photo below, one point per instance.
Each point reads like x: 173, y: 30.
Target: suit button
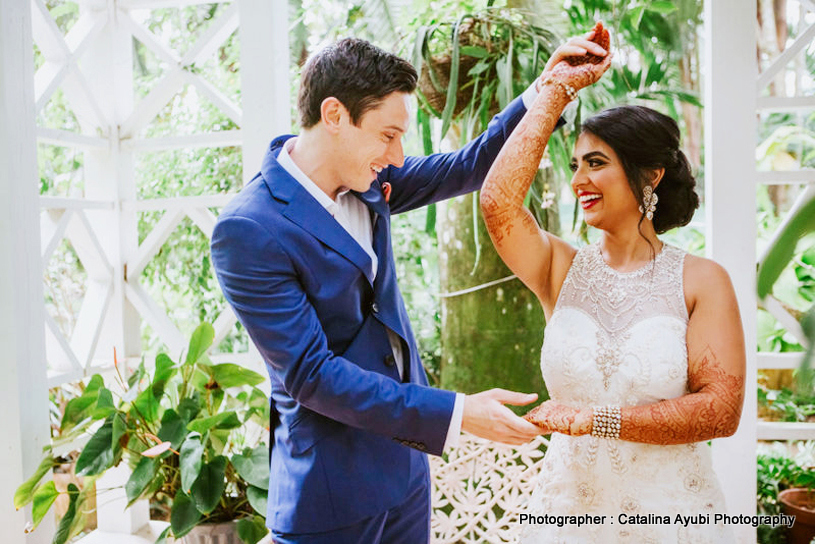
x: 390, y: 360
x: 375, y: 307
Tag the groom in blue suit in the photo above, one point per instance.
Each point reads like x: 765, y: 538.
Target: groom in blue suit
x: 303, y: 254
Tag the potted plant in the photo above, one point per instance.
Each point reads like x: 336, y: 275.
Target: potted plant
x: 192, y: 433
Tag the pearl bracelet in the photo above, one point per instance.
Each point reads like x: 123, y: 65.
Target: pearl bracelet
x: 605, y: 422
x: 570, y: 91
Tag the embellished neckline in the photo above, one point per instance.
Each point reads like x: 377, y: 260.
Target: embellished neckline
x: 598, y: 254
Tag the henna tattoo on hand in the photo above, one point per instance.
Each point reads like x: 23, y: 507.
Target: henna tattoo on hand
x: 712, y: 409
x: 552, y: 416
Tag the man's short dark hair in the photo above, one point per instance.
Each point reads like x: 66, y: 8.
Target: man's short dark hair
x: 355, y: 72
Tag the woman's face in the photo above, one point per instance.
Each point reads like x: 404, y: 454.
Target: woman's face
x: 600, y: 184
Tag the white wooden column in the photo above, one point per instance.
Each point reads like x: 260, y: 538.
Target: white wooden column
x: 265, y: 95
x: 24, y: 421
x: 110, y: 176
x: 730, y: 193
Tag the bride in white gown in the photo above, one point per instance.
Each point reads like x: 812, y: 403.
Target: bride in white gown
x: 643, y: 353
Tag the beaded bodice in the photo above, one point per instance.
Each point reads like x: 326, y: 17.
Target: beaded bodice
x: 618, y: 337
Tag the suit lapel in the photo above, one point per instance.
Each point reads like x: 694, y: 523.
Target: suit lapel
x: 304, y: 210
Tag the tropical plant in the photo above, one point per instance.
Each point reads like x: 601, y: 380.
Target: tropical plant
x: 190, y: 431
x: 775, y: 473
x: 799, y: 225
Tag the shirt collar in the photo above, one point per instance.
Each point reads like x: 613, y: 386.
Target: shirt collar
x: 285, y: 161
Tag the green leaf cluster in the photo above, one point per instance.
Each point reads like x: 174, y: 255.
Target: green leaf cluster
x: 191, y: 432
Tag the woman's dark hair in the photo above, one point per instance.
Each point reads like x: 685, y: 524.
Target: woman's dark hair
x: 645, y: 139
x: 356, y: 73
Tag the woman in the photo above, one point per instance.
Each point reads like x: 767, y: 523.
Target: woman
x: 643, y: 354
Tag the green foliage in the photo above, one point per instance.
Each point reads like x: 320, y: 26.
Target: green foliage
x: 786, y: 405
x: 776, y: 473
x: 208, y: 410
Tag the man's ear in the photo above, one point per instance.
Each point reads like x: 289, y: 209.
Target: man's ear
x: 332, y: 112
x: 656, y: 176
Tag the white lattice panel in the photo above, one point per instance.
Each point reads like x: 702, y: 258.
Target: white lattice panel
x: 480, y: 488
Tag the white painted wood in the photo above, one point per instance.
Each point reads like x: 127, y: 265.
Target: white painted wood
x: 58, y: 203
x: 150, y: 40
x: 52, y: 226
x: 164, y: 328
x: 730, y: 184
x: 781, y: 430
x: 214, y: 95
x: 65, y: 138
x: 787, y: 177
x: 203, y: 219
x: 180, y: 203
x: 88, y: 248
x: 777, y: 361
x: 213, y: 37
x: 223, y: 325
x: 112, y: 513
x: 776, y: 103
x: 90, y: 320
x: 152, y: 244
x: 61, y: 357
x: 803, y: 40
x: 265, y: 99
x: 223, y: 138
x: 774, y: 307
x: 24, y: 425
x: 155, y: 4
x: 146, y: 110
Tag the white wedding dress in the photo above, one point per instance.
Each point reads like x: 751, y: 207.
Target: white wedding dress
x: 619, y: 339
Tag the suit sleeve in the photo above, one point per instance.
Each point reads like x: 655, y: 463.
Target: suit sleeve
x: 260, y: 282
x: 424, y: 180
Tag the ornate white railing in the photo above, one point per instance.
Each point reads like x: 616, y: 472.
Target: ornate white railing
x: 480, y: 487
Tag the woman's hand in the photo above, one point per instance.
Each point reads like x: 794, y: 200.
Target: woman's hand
x: 580, y: 76
x: 552, y: 416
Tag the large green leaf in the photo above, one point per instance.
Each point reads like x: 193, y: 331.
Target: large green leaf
x: 44, y: 497
x: 251, y: 530
x: 232, y: 375
x: 173, y: 428
x: 224, y: 420
x: 64, y: 527
x: 98, y: 453
x: 452, y: 86
x: 25, y: 493
x: 184, y: 516
x: 78, y: 408
x: 258, y: 498
x: 140, y: 478
x: 254, y: 466
x: 780, y: 254
x: 207, y: 490
x: 104, y: 404
x: 191, y: 455
x: 200, y: 342
x: 189, y: 407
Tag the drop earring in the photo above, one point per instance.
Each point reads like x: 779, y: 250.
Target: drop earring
x: 649, y: 200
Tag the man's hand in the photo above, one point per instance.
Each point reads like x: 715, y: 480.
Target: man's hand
x: 486, y: 416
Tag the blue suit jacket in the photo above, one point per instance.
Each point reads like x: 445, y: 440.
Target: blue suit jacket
x: 303, y: 289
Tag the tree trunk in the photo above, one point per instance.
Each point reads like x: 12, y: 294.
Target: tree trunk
x: 490, y: 337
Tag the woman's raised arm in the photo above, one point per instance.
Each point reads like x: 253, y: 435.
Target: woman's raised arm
x: 523, y: 246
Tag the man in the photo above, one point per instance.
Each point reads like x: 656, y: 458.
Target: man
x: 303, y: 255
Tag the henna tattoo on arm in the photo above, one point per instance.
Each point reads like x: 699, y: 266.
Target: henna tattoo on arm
x: 712, y: 409
x: 513, y: 171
